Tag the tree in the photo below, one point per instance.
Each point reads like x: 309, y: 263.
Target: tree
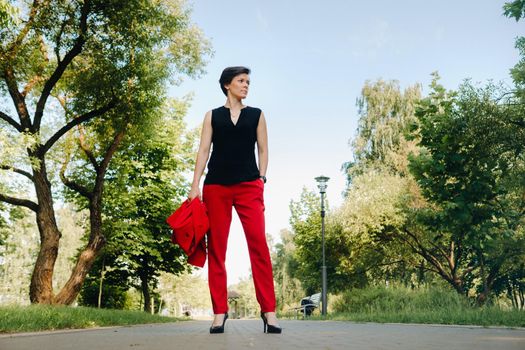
x: 385, y: 115
x: 72, y: 222
x: 246, y: 304
x: 184, y: 293
x: 3, y: 228
x: 371, y: 217
x: 21, y: 247
x: 8, y: 13
x: 379, y: 185
x: 288, y: 288
x: 98, y: 67
x: 514, y: 9
x: 147, y: 187
x: 18, y: 254
x: 306, y: 225
x: 474, y: 223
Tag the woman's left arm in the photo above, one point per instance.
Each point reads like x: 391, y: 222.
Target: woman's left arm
x: 262, y: 145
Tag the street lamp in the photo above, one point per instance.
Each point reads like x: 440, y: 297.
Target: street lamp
x: 321, y: 183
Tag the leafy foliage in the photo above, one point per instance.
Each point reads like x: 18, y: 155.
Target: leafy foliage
x: 184, y: 292
x: 361, y: 243
x: 18, y: 254
x: 114, y: 296
x: 434, y: 195
x: 307, y: 238
x: 477, y: 203
x: 285, y: 265
x: 146, y: 186
x: 514, y: 9
x: 8, y: 14
x: 371, y: 219
x: 385, y: 115
x: 86, y: 78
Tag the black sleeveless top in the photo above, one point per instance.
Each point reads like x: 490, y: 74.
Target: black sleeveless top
x: 233, y: 156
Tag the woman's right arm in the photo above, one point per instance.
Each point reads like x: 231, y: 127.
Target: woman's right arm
x: 202, y: 156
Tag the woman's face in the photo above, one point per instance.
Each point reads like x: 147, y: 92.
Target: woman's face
x: 239, y: 86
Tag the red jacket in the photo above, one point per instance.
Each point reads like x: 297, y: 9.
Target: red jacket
x: 190, y: 224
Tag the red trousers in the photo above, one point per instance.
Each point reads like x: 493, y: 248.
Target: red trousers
x: 247, y: 198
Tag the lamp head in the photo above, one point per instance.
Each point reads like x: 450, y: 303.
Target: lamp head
x: 322, y: 183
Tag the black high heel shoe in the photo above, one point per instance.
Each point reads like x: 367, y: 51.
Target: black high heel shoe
x: 219, y: 329
x: 268, y: 328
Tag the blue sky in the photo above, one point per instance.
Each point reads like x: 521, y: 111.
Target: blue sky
x: 309, y: 61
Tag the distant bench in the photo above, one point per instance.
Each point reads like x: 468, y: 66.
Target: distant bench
x: 308, y: 305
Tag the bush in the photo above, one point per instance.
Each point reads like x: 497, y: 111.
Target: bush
x: 396, y: 299
x: 113, y: 297
x: 424, y: 305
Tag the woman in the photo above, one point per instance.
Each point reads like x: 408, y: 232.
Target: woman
x: 235, y: 180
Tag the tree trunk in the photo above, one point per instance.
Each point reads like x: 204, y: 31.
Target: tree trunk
x: 70, y: 291
x: 101, y: 281
x: 512, y: 296
x: 483, y: 295
x: 41, y: 288
x: 145, y: 292
x: 457, y: 284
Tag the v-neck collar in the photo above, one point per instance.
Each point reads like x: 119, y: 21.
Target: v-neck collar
x: 230, y: 115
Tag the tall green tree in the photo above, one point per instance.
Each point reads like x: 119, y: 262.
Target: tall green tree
x: 307, y: 262
x: 471, y: 171
x: 288, y: 288
x: 370, y: 219
x: 147, y: 186
x: 360, y: 242
x: 385, y: 115
x: 95, y: 69
x: 305, y: 221
x: 514, y: 281
x: 379, y: 184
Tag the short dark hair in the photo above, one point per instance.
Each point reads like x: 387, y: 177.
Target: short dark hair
x: 229, y: 73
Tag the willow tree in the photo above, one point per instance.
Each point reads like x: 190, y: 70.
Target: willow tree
x: 94, y: 71
x: 386, y: 113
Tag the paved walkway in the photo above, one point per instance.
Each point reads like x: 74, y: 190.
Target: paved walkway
x: 247, y: 334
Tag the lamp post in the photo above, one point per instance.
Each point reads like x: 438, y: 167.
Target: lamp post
x: 321, y: 183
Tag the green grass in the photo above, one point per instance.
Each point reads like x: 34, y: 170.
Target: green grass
x: 45, y: 317
x: 482, y: 317
x: 428, y: 306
